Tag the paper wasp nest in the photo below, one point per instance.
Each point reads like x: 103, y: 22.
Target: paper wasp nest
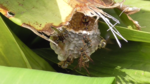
x: 79, y: 39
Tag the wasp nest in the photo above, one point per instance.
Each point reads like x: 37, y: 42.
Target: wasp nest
x: 79, y: 39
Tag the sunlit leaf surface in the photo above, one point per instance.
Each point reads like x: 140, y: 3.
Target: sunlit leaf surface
x: 142, y: 16
x: 11, y: 75
x: 38, y: 13
x: 14, y: 53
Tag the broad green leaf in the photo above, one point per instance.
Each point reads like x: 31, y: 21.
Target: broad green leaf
x: 129, y: 64
x: 142, y: 16
x: 14, y: 53
x: 129, y: 34
x: 10, y: 75
x: 38, y: 13
x: 26, y: 36
x: 124, y: 18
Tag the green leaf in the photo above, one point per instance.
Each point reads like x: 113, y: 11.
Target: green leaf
x: 14, y: 53
x: 142, y: 16
x: 11, y: 75
x: 38, y: 13
x: 124, y: 18
x: 129, y: 64
x: 129, y: 34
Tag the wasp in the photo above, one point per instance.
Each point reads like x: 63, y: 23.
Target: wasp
x: 84, y: 60
x: 66, y: 63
